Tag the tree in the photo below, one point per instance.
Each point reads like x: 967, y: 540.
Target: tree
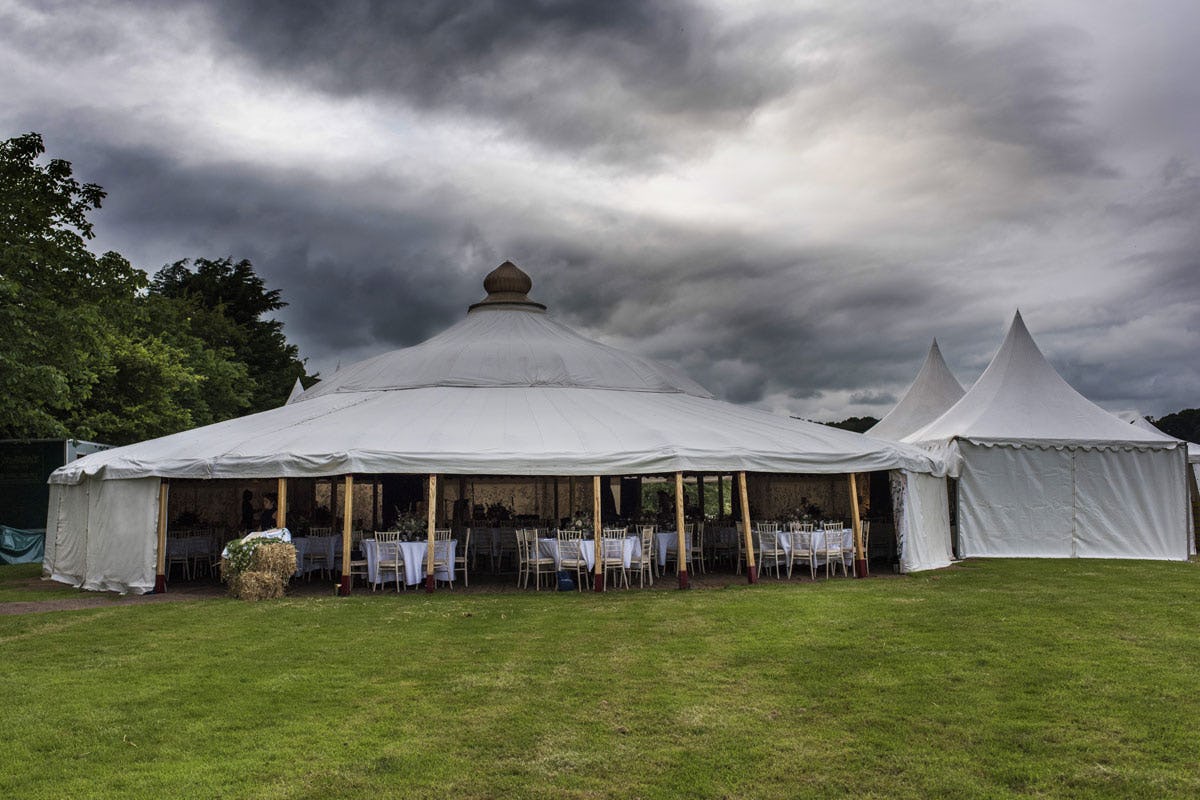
x: 86, y: 351
x: 856, y: 424
x: 229, y: 302
x: 1183, y: 424
x: 61, y: 306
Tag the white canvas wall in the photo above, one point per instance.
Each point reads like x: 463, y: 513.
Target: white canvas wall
x: 122, y: 535
x: 104, y: 534
x: 926, y: 543
x: 70, y: 535
x: 53, y: 512
x: 1131, y: 502
x: 1071, y: 502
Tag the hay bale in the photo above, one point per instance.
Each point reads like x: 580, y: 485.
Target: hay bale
x: 276, y: 558
x: 253, y: 586
x: 271, y: 565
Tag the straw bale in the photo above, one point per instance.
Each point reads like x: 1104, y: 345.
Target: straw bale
x: 271, y: 566
x: 253, y: 586
x: 276, y: 558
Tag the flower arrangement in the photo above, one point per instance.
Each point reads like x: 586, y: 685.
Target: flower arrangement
x: 498, y: 512
x: 411, y: 526
x: 805, y: 512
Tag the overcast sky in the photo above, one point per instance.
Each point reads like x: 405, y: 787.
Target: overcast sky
x: 788, y: 201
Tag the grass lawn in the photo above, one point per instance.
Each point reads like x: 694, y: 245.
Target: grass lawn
x: 995, y: 679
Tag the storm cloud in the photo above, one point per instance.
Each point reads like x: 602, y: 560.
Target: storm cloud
x: 788, y: 201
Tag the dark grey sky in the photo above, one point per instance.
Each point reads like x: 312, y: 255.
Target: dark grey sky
x: 787, y: 200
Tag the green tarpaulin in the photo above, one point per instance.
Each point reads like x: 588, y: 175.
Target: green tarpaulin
x: 21, y: 547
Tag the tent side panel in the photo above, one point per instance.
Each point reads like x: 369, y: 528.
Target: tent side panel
x: 1015, y: 502
x: 70, y: 534
x: 1131, y: 504
x: 927, y: 540
x: 121, y: 542
x: 54, y: 512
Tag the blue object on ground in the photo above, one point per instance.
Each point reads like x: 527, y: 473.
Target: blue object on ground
x: 19, y: 546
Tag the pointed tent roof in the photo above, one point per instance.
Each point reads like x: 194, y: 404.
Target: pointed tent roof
x: 1020, y: 398
x: 506, y: 391
x: 1144, y: 424
x: 297, y: 390
x: 931, y: 394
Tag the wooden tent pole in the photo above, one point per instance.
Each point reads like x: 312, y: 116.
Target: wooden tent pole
x: 160, y: 571
x: 860, y: 558
x: 597, y: 529
x: 430, y: 524
x: 374, y: 502
x: 347, y: 527
x: 281, y: 504
x: 751, y: 567
x: 681, y: 555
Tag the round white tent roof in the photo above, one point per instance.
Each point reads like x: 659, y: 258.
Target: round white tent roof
x: 931, y: 394
x: 506, y: 391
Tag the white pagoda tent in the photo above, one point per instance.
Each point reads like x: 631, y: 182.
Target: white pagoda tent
x: 507, y: 391
x: 931, y: 395
x: 1045, y: 472
x: 1193, y: 451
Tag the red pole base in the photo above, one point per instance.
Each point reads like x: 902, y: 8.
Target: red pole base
x: 429, y: 581
x: 752, y: 574
x: 860, y: 568
x: 598, y: 583
x: 160, y: 584
x: 683, y: 579
x: 344, y: 586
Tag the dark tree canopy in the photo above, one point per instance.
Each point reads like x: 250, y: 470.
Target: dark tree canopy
x: 89, y: 348
x: 230, y: 301
x: 856, y: 424
x: 62, y: 308
x: 1183, y: 424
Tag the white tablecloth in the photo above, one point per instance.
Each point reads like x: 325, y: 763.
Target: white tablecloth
x: 331, y: 546
x: 628, y: 547
x: 190, y: 546
x: 668, y: 542
x: 818, y: 537
x: 414, y: 561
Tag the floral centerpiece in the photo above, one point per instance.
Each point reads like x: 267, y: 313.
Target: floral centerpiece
x: 412, y: 527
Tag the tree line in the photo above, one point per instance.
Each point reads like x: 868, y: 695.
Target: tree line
x: 93, y: 348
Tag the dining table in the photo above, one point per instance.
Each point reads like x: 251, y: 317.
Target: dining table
x: 331, y: 546
x: 667, y: 542
x: 414, y: 554
x: 626, y: 545
x: 819, y: 538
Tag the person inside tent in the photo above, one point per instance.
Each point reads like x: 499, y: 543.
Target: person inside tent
x: 247, y: 510
x: 266, y: 519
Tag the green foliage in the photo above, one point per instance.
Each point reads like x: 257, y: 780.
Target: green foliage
x: 228, y: 302
x: 238, y: 556
x: 1183, y: 424
x: 62, y: 308
x: 90, y: 348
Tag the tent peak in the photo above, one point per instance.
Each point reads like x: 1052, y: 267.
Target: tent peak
x: 508, y: 286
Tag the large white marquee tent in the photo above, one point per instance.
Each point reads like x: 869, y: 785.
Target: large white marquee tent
x: 933, y: 392
x: 1045, y: 472
x: 506, y: 391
